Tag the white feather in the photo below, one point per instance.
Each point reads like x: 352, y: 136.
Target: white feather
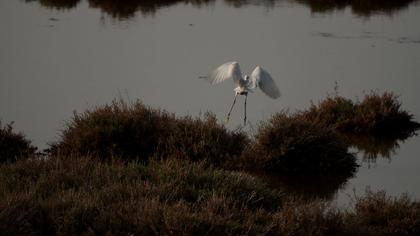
x: 262, y: 79
x: 229, y: 70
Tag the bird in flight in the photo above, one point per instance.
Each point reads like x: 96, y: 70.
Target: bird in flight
x: 244, y: 84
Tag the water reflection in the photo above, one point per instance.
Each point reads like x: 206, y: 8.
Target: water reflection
x: 373, y: 147
x: 57, y: 4
x: 128, y: 8
x: 241, y: 3
x: 122, y: 9
x: 362, y: 8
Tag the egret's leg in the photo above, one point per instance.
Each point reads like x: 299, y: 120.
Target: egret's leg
x: 233, y: 104
x: 246, y: 96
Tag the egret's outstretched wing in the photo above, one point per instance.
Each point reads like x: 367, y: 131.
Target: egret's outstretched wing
x: 262, y: 79
x: 229, y: 70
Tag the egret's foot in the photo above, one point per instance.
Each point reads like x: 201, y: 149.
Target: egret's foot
x: 227, y: 119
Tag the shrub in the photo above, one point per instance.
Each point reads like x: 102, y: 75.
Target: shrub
x: 13, y: 145
x: 382, y: 114
x: 335, y: 112
x: 292, y: 145
x: 138, y: 132
x: 200, y: 139
x: 376, y: 114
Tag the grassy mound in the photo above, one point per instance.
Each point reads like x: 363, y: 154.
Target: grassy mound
x: 292, y: 145
x: 376, y: 114
x: 139, y: 132
x: 14, y: 145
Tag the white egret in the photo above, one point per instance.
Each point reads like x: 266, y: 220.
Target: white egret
x: 244, y: 84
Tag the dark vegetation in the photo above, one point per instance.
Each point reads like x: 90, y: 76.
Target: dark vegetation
x: 299, y: 156
x: 122, y: 9
x: 377, y: 114
x: 308, y: 187
x: 87, y: 196
x: 378, y: 214
x: 139, y: 132
x: 374, y: 125
x: 296, y: 146
x: 14, y: 146
x: 131, y: 169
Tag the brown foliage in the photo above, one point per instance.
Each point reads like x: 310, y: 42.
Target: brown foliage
x: 293, y: 145
x: 138, y: 132
x: 376, y: 114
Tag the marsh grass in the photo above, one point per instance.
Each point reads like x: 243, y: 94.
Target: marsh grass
x: 168, y: 175
x: 84, y: 195
x: 377, y: 114
x: 87, y: 196
x: 292, y: 145
x: 14, y: 145
x: 134, y: 131
x: 380, y: 214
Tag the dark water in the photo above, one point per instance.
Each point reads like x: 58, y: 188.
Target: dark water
x: 60, y: 56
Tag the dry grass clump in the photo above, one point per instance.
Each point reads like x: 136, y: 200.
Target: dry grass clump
x: 376, y: 114
x: 382, y: 114
x: 379, y: 214
x: 291, y: 145
x: 14, y: 145
x: 139, y: 132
